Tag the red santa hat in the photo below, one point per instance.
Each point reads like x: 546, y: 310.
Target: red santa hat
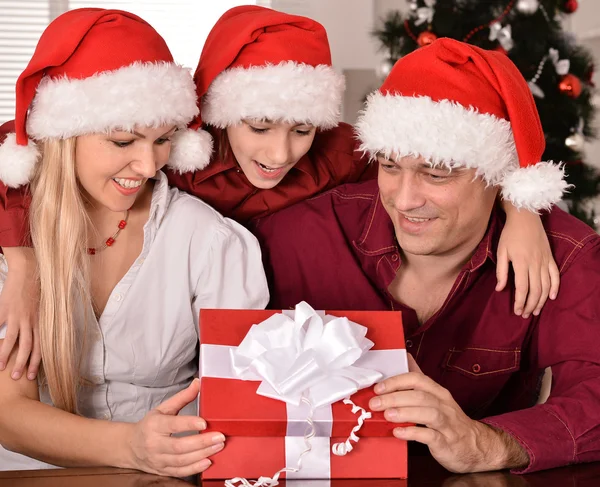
x: 457, y: 105
x: 258, y: 63
x: 95, y: 70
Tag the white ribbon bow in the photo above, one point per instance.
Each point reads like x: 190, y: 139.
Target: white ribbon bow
x: 561, y: 66
x: 502, y: 34
x: 425, y: 14
x: 310, y: 356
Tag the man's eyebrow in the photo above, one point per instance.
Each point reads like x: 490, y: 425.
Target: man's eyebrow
x: 441, y: 167
x: 426, y: 165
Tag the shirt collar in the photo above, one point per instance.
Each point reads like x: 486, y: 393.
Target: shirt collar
x: 488, y: 246
x: 307, y: 166
x: 161, y: 197
x: 378, y: 236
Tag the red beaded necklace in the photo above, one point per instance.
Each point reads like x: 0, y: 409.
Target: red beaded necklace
x: 110, y: 240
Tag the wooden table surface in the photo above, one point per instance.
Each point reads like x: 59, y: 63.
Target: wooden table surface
x: 423, y: 472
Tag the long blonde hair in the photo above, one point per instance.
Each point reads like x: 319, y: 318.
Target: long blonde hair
x: 59, y: 223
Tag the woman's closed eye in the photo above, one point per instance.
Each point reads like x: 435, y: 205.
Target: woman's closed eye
x: 258, y: 130
x: 123, y: 143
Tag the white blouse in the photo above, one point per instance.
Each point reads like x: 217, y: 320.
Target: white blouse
x: 143, y: 348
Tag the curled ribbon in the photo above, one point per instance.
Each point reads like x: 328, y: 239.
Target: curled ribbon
x: 274, y: 480
x: 502, y: 34
x: 425, y: 14
x: 308, y: 356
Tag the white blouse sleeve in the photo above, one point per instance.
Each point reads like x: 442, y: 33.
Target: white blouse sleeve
x: 232, y: 274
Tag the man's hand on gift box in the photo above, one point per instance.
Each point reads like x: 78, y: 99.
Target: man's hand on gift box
x: 457, y: 442
x: 153, y: 449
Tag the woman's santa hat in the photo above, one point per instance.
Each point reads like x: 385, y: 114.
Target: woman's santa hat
x: 95, y: 70
x: 457, y: 105
x: 258, y: 63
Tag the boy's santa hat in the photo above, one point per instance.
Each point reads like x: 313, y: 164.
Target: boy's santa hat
x: 95, y: 70
x: 258, y: 63
x: 457, y: 105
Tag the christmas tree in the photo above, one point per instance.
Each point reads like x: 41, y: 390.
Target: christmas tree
x: 559, y: 72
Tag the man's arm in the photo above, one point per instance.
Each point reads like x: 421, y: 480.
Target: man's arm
x: 565, y: 430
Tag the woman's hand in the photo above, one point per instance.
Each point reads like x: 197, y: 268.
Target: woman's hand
x: 155, y: 450
x: 19, y: 304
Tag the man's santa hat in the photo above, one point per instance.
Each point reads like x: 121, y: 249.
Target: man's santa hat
x: 258, y: 63
x: 95, y: 70
x: 457, y: 105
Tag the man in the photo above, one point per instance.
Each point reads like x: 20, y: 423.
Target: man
x: 451, y: 127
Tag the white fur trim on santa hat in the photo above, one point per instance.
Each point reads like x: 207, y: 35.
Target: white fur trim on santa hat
x: 146, y: 94
x: 442, y: 132
x: 536, y: 187
x: 190, y: 150
x: 17, y: 162
x: 287, y: 92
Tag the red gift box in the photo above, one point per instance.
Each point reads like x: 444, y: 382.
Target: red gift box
x: 259, y: 442
x: 328, y: 483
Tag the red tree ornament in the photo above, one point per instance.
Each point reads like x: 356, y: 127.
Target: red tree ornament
x: 570, y: 85
x: 570, y: 6
x: 426, y: 38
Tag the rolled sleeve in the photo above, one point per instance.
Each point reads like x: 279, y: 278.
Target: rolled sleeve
x: 14, y: 228
x: 544, y: 436
x: 566, y: 337
x: 14, y: 208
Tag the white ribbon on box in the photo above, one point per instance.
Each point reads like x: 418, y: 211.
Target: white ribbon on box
x: 309, y: 360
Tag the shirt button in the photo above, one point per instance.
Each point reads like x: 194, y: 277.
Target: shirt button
x: 106, y: 416
x: 119, y: 297
x: 395, y: 258
x: 409, y: 343
x: 476, y: 368
x: 98, y: 379
x: 141, y: 261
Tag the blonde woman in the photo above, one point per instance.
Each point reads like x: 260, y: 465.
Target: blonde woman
x: 124, y: 262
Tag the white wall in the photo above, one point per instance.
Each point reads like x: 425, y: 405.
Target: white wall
x: 184, y: 24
